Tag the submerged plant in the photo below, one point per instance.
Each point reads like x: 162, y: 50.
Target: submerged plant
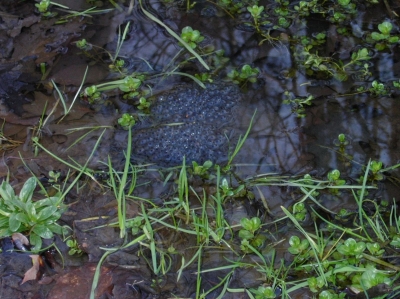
x: 256, y: 12
x: 129, y: 85
x: 204, y: 77
x: 343, y: 143
x: 298, y: 103
x: 300, y: 211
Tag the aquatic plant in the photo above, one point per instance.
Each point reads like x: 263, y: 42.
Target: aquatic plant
x: 256, y: 12
x: 129, y: 85
x: 91, y: 94
x: 244, y: 75
x: 126, y: 121
x: 378, y: 89
x: 383, y: 39
x: 191, y: 37
x: 298, y: 103
x: 43, y: 7
x: 143, y: 104
x: 264, y: 292
x: 327, y: 66
x: 248, y: 236
x: 335, y: 180
x: 304, y: 8
x: 343, y: 145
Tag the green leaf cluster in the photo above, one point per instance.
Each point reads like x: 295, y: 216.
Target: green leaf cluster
x: 126, y: 121
x: 300, y: 211
x: 192, y: 37
x: 92, y: 94
x: 316, y: 284
x: 74, y: 247
x: 304, y: 8
x: 19, y: 213
x: 248, y: 234
x: 298, y: 103
x: 383, y: 38
x: 83, y: 45
x: 244, y: 75
x: 255, y: 11
x: 351, y: 247
x: 144, y: 104
x: 43, y: 8
x: 370, y: 277
x: 130, y: 86
x: 233, y: 6
x: 202, y: 170
x: 298, y: 246
x: 229, y: 191
x: 264, y: 292
x: 335, y: 180
x: 378, y: 89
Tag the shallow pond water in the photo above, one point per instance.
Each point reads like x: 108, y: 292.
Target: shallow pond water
x: 279, y: 143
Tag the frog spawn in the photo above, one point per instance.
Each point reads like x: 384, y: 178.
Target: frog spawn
x: 188, y: 121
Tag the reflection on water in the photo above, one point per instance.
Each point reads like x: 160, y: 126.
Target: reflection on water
x: 279, y: 141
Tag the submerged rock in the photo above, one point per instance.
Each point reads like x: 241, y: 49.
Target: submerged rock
x: 188, y: 121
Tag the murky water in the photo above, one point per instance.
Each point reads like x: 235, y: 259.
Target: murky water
x: 279, y: 141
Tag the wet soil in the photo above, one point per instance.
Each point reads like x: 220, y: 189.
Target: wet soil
x: 279, y: 141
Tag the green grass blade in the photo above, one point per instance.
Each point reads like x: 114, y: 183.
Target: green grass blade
x: 241, y: 141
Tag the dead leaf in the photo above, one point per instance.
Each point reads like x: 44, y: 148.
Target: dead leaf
x: 32, y: 273
x: 20, y: 240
